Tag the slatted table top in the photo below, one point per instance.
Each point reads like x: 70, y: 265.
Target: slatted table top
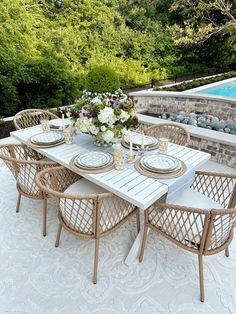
x: 128, y: 183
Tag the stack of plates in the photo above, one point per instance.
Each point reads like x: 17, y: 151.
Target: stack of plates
x: 94, y: 160
x: 137, y: 140
x: 160, y: 163
x: 47, y: 139
x: 57, y: 124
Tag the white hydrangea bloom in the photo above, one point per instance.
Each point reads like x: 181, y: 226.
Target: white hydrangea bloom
x: 84, y: 124
x: 96, y: 101
x: 103, y: 128
x: 93, y: 130
x: 108, y: 136
x: 107, y: 116
x: 124, y: 116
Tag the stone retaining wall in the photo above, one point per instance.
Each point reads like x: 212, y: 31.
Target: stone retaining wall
x: 160, y: 104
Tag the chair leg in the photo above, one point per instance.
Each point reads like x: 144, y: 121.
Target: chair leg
x: 18, y: 203
x: 138, y: 220
x: 143, y: 242
x: 58, y: 234
x: 227, y: 252
x: 45, y: 210
x: 201, y: 277
x: 95, y: 269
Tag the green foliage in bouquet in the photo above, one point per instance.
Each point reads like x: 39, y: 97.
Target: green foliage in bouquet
x: 102, y: 79
x: 107, y: 117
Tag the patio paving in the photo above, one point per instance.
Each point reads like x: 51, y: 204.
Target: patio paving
x: 38, y: 278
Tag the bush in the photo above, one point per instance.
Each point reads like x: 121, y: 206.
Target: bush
x: 44, y: 82
x: 102, y: 79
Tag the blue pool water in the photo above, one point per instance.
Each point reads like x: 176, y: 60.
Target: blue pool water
x: 225, y: 89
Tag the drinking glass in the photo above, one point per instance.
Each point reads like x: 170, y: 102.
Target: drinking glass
x: 68, y: 134
x: 119, y: 160
x: 163, y: 145
x: 45, y: 125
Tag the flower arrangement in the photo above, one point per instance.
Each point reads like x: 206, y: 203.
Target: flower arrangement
x: 106, y: 116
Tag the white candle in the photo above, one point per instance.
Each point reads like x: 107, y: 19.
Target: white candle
x: 142, y: 140
x: 130, y: 146
x: 63, y: 123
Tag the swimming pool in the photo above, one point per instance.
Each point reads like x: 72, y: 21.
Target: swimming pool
x: 225, y: 88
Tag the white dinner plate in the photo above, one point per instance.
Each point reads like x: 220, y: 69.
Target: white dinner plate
x: 47, y: 138
x: 161, y: 163
x: 137, y: 139
x: 57, y: 123
x: 94, y: 159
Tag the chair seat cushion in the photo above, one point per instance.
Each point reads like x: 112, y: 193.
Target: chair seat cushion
x: 78, y: 214
x: 84, y: 186
x: 192, y: 198
x: 26, y: 180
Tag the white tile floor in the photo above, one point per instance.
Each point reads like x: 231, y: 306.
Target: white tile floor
x: 37, y: 278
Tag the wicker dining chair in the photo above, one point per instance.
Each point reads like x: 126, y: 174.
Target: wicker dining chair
x: 175, y: 133
x: 25, y: 163
x: 201, y: 220
x: 85, y: 209
x: 31, y: 117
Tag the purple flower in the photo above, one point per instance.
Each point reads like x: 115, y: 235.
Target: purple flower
x: 116, y: 103
x: 92, y: 113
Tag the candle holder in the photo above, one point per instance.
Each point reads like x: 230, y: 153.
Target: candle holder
x: 130, y: 159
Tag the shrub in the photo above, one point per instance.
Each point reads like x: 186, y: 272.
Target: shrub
x: 102, y: 79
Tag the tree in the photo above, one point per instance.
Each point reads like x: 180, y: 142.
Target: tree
x: 202, y: 19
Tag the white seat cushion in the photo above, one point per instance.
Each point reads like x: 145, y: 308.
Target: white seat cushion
x: 192, y: 198
x: 26, y: 179
x: 84, y: 186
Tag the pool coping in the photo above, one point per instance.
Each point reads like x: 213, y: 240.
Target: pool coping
x: 210, y: 135
x: 148, y: 93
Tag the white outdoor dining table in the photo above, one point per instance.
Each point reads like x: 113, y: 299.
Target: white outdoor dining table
x: 128, y: 183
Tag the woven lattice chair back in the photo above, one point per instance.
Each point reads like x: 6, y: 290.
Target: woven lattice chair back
x: 24, y: 163
x: 77, y: 213
x: 186, y: 227
x: 112, y: 211
x: 175, y: 133
x: 86, y: 214
x: 31, y: 117
x: 219, y: 187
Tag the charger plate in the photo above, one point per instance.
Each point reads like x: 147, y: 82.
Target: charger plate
x: 155, y: 175
x: 48, y: 138
x: 75, y: 168
x: 57, y: 124
x: 93, y: 159
x: 44, y: 146
x: 160, y: 163
x: 137, y: 140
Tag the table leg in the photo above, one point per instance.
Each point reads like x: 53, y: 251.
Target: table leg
x: 135, y: 249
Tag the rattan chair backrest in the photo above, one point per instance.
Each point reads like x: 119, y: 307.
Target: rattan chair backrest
x: 31, y: 117
x: 220, y: 187
x: 85, y: 214
x: 24, y: 163
x: 186, y: 227
x: 175, y: 133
